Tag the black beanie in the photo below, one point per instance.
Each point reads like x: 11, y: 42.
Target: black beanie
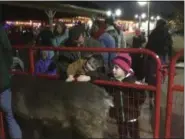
x: 161, y: 23
x: 76, y: 31
x: 110, y: 20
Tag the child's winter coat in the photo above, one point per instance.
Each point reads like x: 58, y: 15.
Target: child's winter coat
x: 45, y: 66
x: 132, y: 100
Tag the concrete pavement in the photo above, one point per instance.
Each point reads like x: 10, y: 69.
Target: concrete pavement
x: 177, y: 125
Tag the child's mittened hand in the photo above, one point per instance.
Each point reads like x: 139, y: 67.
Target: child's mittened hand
x: 83, y: 78
x: 70, y: 79
x: 52, y: 66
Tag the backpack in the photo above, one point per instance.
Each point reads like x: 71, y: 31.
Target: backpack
x: 112, y: 31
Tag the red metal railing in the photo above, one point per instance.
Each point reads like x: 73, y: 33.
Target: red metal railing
x: 172, y: 87
x: 156, y: 88
x: 2, y: 131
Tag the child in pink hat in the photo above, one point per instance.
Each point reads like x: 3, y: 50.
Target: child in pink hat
x: 122, y: 66
x: 127, y: 101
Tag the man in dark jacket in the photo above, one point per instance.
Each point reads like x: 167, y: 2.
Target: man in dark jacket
x: 5, y: 84
x: 76, y: 39
x: 160, y: 42
x: 138, y: 59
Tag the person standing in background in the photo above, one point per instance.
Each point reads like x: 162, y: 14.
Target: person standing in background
x: 160, y: 42
x: 115, y: 32
x: 138, y: 59
x: 6, y: 61
x: 60, y: 35
x: 106, y: 40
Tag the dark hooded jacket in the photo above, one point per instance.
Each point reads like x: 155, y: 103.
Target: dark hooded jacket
x: 6, y: 60
x: 160, y: 40
x: 66, y: 58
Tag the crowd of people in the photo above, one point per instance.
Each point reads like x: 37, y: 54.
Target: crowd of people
x: 89, y: 66
x: 21, y: 35
x: 102, y: 34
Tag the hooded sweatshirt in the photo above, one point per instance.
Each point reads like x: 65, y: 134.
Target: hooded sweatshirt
x: 6, y: 60
x: 46, y: 66
x: 108, y: 42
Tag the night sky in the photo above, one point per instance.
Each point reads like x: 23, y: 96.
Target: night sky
x: 162, y: 8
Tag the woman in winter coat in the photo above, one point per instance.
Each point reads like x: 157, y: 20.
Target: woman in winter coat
x: 60, y: 35
x: 127, y: 101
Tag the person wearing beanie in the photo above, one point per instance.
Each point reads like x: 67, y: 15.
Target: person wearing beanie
x: 137, y: 59
x: 76, y: 36
x: 122, y: 66
x: 127, y: 101
x: 106, y: 40
x: 115, y: 32
x: 159, y: 41
x: 76, y: 39
x: 138, y: 39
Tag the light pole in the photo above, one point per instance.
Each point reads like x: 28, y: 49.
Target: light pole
x: 148, y: 7
x: 143, y: 3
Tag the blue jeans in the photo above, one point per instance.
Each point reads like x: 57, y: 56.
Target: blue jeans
x: 6, y: 107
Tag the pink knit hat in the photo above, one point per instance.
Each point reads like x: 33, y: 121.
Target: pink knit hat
x: 124, y: 61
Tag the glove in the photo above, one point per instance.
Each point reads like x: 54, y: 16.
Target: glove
x: 83, y: 78
x: 70, y: 78
x: 52, y: 66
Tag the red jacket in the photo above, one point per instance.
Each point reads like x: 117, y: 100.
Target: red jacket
x: 101, y: 30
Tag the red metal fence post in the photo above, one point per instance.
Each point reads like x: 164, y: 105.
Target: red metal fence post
x: 157, y: 98
x: 171, y: 88
x: 31, y: 58
x: 2, y: 131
